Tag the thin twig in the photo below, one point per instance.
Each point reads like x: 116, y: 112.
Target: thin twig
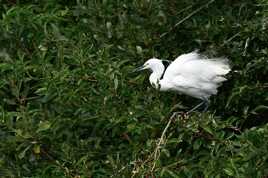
x: 136, y: 168
x: 246, y: 46
x: 56, y: 162
x: 157, y: 149
x: 156, y: 153
x: 185, y: 9
x: 230, y: 39
x: 187, y: 17
x: 235, y: 129
x: 120, y: 170
x: 172, y: 164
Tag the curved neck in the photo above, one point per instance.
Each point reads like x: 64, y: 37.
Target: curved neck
x: 158, y: 70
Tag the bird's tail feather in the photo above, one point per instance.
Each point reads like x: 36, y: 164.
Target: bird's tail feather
x: 220, y: 66
x: 219, y: 79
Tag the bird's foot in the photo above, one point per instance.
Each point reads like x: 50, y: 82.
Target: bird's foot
x: 180, y: 114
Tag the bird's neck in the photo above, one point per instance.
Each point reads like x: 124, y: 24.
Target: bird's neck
x: 156, y: 75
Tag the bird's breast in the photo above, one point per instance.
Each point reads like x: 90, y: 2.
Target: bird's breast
x: 164, y: 85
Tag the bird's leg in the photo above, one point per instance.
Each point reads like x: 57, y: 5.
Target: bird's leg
x: 197, y: 106
x: 206, y: 103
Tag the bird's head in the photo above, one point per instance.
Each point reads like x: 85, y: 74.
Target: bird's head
x: 157, y: 67
x: 151, y: 64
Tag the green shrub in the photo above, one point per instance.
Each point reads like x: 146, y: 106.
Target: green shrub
x: 71, y: 108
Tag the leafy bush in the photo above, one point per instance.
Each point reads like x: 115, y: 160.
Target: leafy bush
x: 71, y: 108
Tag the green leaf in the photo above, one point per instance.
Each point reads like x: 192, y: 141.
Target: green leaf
x: 115, y: 83
x: 197, y: 144
x: 172, y: 174
x: 43, y: 126
x: 228, y: 171
x: 208, y: 129
x: 259, y: 108
x: 166, y: 152
x: 22, y: 154
x: 36, y: 149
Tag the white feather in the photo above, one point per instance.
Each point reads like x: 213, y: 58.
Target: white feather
x: 191, y: 74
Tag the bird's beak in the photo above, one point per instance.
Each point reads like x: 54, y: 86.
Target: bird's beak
x: 139, y: 69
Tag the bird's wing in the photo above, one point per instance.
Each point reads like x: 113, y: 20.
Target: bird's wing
x: 190, y: 86
x: 188, y: 57
x: 176, y: 67
x: 184, y: 82
x: 194, y: 86
x: 193, y: 65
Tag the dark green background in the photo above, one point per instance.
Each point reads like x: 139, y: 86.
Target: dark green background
x: 71, y: 108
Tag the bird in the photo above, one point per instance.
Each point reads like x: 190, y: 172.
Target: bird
x: 191, y: 74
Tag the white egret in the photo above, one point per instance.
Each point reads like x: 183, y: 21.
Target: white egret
x: 191, y: 74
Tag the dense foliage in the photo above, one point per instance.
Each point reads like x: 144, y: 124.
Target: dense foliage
x: 71, y: 108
